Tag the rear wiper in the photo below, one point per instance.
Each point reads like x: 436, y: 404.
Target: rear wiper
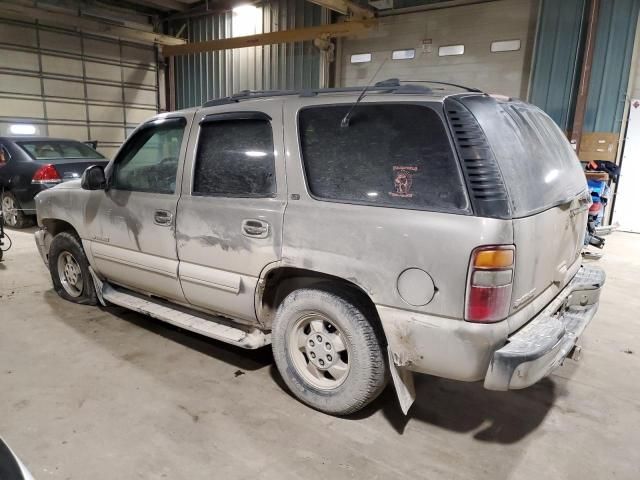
x: 347, y: 117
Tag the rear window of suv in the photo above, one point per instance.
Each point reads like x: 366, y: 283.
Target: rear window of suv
x: 538, y: 165
x: 392, y: 155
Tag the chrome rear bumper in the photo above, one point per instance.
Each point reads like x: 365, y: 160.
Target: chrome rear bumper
x: 541, y: 345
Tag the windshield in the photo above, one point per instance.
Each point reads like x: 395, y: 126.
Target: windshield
x: 58, y: 149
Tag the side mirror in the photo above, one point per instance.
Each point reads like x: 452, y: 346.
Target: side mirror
x: 93, y: 178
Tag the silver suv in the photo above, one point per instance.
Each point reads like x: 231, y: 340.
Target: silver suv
x: 412, y: 229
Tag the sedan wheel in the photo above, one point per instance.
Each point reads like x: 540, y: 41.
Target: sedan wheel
x: 9, y: 210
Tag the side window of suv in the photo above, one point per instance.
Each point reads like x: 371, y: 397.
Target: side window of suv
x: 149, y: 160
x: 235, y: 158
x: 391, y: 155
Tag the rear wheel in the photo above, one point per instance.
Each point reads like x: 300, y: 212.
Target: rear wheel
x: 327, y: 352
x: 13, y: 215
x: 69, y: 269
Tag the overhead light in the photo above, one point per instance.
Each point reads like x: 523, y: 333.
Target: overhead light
x: 255, y: 153
x: 246, y: 20
x: 22, y: 129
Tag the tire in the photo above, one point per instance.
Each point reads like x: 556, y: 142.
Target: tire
x: 312, y: 322
x: 69, y: 269
x: 13, y: 216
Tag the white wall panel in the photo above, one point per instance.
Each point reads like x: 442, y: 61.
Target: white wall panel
x: 69, y: 131
x: 61, y: 65
x: 141, y: 56
x: 135, y: 95
x: 104, y: 93
x: 66, y: 111
x: 102, y: 113
x: 138, y: 115
x: 18, y: 107
x: 139, y: 75
x: 19, y: 84
x: 101, y: 49
x: 103, y: 71
x: 61, y: 42
x: 18, y: 59
x: 18, y: 35
x: 474, y: 26
x: 107, y: 134
x: 63, y: 88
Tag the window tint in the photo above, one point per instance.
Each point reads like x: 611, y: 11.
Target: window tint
x: 395, y: 155
x: 235, y: 158
x: 149, y: 160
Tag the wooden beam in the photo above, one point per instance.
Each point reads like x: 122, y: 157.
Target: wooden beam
x: 346, y: 7
x: 83, y: 24
x: 585, y: 76
x: 286, y: 36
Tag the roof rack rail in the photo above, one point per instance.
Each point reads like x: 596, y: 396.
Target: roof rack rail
x: 391, y: 85
x: 463, y: 87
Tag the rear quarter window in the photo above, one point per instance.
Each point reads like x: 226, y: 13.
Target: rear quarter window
x: 392, y: 155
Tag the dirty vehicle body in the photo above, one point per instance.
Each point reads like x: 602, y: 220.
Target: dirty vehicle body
x: 29, y: 165
x: 413, y: 231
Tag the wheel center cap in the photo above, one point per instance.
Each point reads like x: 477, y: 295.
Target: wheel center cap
x: 320, y: 351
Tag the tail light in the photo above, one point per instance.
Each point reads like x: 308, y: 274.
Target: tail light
x: 490, y: 282
x: 46, y: 174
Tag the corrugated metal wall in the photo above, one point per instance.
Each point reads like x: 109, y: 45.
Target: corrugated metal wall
x: 611, y: 65
x: 203, y: 76
x: 556, y: 74
x: 555, y: 67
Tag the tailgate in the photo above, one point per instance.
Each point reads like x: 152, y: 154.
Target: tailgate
x: 548, y: 246
x: 548, y: 198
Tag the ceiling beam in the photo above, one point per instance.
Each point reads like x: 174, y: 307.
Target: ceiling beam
x: 165, y: 5
x: 84, y: 24
x: 343, y: 29
x: 346, y: 7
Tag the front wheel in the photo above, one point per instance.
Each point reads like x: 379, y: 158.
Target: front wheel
x: 69, y: 269
x: 327, y: 352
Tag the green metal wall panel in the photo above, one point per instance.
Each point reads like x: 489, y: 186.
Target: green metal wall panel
x: 555, y: 67
x: 615, y: 37
x: 203, y: 76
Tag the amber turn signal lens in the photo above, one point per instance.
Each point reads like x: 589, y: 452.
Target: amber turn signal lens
x: 502, y: 258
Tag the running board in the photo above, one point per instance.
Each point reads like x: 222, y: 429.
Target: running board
x: 214, y: 327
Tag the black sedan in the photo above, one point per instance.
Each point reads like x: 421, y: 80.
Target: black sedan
x: 29, y: 165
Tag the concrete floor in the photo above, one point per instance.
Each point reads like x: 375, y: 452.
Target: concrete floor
x: 90, y: 393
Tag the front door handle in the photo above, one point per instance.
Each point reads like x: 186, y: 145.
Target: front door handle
x: 164, y: 218
x: 255, y: 228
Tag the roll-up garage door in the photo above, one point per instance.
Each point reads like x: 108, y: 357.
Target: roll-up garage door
x: 74, y: 85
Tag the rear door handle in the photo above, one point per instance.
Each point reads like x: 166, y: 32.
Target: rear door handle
x: 255, y: 228
x: 164, y: 218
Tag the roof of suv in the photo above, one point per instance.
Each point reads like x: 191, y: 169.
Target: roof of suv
x: 435, y: 90
x: 438, y: 90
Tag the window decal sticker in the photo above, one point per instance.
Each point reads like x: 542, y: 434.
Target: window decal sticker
x: 403, y: 179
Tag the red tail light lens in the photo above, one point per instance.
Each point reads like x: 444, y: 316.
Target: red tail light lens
x: 490, y: 282
x: 46, y: 174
